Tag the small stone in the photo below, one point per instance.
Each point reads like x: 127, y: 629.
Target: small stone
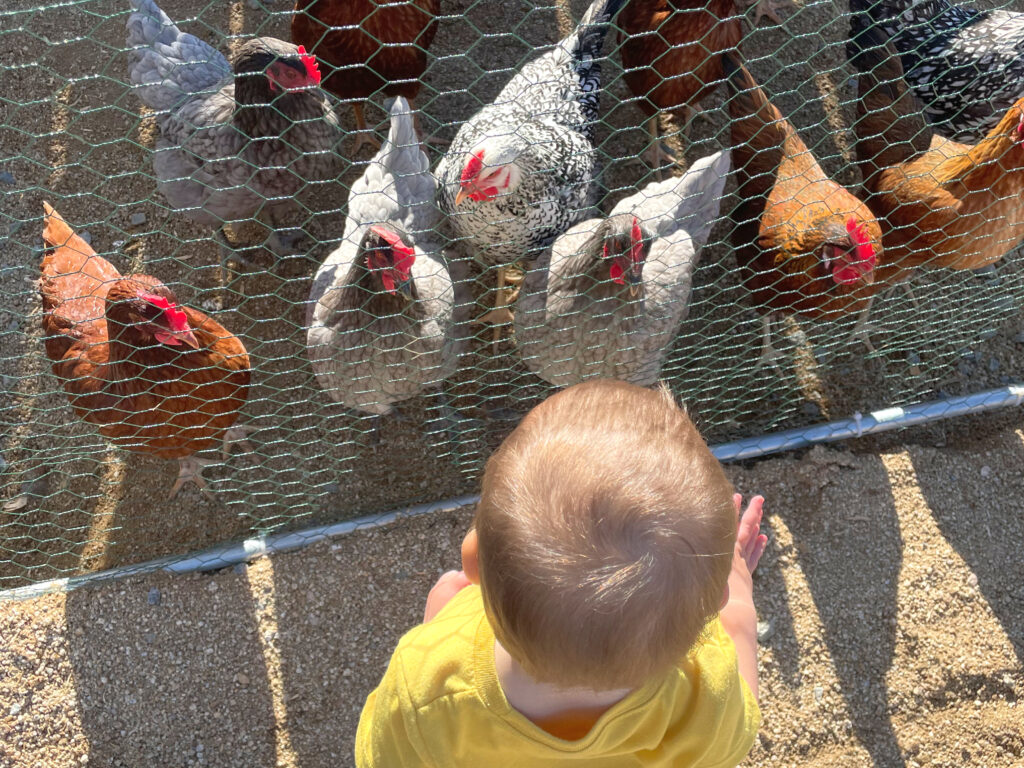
x: 811, y: 410
x: 986, y: 471
x: 15, y: 709
x: 137, y: 219
x: 6, y: 177
x: 149, y: 637
x: 913, y: 358
x: 153, y: 598
x: 819, y: 694
x: 972, y: 580
x: 242, y: 679
x: 211, y: 587
x: 86, y: 235
x: 993, y: 364
x: 118, y: 243
x: 765, y: 629
x: 84, y: 759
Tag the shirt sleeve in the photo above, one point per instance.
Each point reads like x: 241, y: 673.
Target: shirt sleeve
x: 739, y: 717
x: 388, y: 736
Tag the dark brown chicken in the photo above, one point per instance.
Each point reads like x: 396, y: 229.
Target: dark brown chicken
x: 944, y: 204
x: 672, y: 55
x: 370, y: 45
x: 155, y: 376
x: 803, y: 243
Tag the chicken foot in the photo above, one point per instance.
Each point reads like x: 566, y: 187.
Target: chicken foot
x: 864, y: 327
x: 769, y: 8
x: 769, y: 354
x: 236, y: 435
x: 501, y: 314
x: 190, y: 471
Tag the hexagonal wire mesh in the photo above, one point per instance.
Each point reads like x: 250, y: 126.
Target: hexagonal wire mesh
x: 75, y: 133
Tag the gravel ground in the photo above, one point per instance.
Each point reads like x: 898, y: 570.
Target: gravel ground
x: 890, y: 596
x: 73, y: 133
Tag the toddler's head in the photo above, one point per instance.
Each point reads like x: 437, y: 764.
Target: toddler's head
x: 605, y: 537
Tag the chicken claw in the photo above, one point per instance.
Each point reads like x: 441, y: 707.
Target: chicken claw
x: 769, y: 8
x: 191, y: 472
x: 769, y: 354
x: 236, y: 435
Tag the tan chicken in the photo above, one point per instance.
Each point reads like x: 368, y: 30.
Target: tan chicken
x: 155, y: 376
x: 369, y: 45
x: 944, y: 204
x: 803, y: 243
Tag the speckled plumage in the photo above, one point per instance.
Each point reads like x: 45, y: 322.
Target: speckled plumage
x: 370, y: 349
x: 573, y: 323
x: 217, y: 158
x: 965, y: 65
x: 545, y: 115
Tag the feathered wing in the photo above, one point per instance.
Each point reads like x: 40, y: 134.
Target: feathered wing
x: 890, y: 129
x: 168, y: 64
x: 689, y: 202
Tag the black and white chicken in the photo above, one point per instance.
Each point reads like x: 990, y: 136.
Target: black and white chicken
x: 381, y: 314
x: 523, y: 169
x: 238, y: 140
x: 608, y: 298
x: 965, y: 65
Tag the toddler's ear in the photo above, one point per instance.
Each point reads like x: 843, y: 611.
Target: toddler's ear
x: 469, y: 557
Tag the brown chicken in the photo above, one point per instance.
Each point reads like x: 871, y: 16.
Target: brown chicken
x: 370, y: 45
x: 803, y: 243
x: 672, y: 54
x: 156, y: 377
x: 944, y: 204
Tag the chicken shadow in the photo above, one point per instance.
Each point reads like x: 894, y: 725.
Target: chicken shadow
x: 983, y: 519
x: 334, y: 653
x: 159, y: 682
x: 850, y: 556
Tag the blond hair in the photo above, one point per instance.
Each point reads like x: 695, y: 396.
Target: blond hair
x: 606, y: 531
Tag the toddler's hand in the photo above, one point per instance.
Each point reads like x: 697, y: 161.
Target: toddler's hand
x: 750, y: 542
x: 449, y: 585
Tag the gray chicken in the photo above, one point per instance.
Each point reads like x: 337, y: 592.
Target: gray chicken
x: 522, y: 170
x: 964, y: 64
x: 607, y: 299
x: 237, y: 140
x: 380, y: 318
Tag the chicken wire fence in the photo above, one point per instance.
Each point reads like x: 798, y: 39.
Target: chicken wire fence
x: 406, y: 395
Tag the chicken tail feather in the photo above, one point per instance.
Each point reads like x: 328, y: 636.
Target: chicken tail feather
x: 57, y: 233
x: 594, y: 25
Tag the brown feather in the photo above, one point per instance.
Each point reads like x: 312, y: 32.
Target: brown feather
x: 170, y: 401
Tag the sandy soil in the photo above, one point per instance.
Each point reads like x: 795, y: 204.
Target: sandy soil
x: 73, y: 133
x: 890, y: 597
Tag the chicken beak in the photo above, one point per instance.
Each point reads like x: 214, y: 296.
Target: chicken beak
x: 405, y: 288
x: 460, y: 196
x: 636, y: 282
x: 187, y: 338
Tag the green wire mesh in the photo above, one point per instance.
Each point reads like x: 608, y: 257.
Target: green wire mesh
x: 72, y: 132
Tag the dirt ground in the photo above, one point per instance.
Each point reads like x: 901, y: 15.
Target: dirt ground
x: 890, y: 596
x: 73, y: 133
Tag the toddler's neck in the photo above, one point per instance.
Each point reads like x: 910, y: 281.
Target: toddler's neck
x: 538, y: 701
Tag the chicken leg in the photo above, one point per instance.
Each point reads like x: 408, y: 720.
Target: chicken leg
x: 236, y: 435
x: 769, y: 354
x: 190, y: 471
x: 769, y: 8
x: 363, y: 135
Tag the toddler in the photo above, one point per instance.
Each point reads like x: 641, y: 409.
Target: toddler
x: 604, y: 615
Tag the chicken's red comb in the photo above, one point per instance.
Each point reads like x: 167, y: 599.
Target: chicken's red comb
x: 404, y: 255
x: 636, y: 250
x: 473, y: 167
x: 177, y: 320
x: 309, y: 62
x: 865, y: 250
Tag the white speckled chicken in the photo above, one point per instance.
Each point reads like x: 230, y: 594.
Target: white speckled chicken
x: 380, y: 319
x: 965, y: 65
x: 609, y: 296
x: 521, y: 171
x: 237, y: 140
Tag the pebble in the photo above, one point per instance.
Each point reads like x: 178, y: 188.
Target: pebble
x: 913, y: 358
x: 986, y: 471
x: 810, y: 409
x: 972, y: 580
x: 15, y: 709
x: 6, y: 177
x: 819, y: 693
x: 242, y: 679
x: 137, y: 219
x: 993, y: 364
x: 153, y: 598
x: 211, y: 587
x: 765, y: 629
x: 86, y: 235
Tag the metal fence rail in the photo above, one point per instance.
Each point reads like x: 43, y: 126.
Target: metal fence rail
x: 74, y: 132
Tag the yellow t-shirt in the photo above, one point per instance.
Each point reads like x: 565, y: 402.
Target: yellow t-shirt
x: 440, y: 704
